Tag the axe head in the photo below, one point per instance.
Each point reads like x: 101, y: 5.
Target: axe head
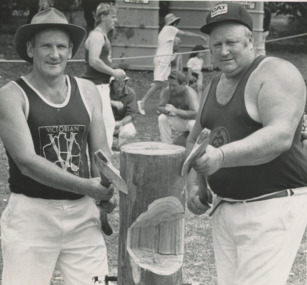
x: 109, y: 172
x: 198, y: 150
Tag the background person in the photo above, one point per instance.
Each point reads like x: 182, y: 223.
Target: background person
x: 178, y: 107
x: 48, y: 120
x: 98, y: 61
x: 195, y: 66
x: 176, y: 63
x: 255, y: 162
x: 162, y: 61
x: 123, y: 101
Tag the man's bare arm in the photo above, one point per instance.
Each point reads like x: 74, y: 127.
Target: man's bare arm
x: 95, y: 43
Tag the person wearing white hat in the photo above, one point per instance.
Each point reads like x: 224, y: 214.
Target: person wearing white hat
x: 98, y: 61
x: 255, y: 162
x: 49, y: 122
x: 163, y: 58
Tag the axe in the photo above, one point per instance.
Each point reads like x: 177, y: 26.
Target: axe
x: 198, y: 150
x: 109, y: 175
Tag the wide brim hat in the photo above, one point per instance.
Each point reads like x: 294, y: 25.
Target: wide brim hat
x: 226, y: 11
x: 170, y: 19
x: 48, y: 18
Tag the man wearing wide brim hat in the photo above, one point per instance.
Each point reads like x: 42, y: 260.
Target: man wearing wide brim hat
x: 47, y: 19
x: 255, y: 163
x: 164, y: 55
x: 48, y: 122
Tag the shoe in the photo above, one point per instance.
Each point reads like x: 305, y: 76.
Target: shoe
x: 141, y: 108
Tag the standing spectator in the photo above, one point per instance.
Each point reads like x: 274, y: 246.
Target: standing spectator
x: 195, y: 65
x: 163, y: 58
x: 178, y: 107
x: 89, y: 10
x: 123, y: 101
x: 255, y: 163
x: 49, y: 122
x: 98, y: 62
x: 176, y: 63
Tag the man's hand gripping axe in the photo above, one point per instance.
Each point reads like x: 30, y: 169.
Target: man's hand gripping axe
x: 109, y: 175
x: 197, y: 151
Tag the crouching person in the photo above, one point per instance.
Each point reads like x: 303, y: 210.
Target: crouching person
x: 123, y: 101
x: 178, y: 107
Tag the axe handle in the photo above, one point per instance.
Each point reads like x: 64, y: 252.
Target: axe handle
x: 105, y: 226
x: 205, y: 195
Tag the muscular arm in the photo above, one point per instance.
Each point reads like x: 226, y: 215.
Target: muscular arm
x: 94, y: 43
x: 281, y: 101
x: 279, y: 105
x: 193, y: 201
x: 17, y: 140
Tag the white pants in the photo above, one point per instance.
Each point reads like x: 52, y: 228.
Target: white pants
x: 40, y: 235
x: 108, y: 117
x: 126, y: 132
x: 167, y: 124
x: 256, y: 243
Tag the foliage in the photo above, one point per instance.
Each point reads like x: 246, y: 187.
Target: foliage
x: 26, y: 5
x: 296, y: 10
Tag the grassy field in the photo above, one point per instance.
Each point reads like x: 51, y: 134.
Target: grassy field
x: 198, y: 265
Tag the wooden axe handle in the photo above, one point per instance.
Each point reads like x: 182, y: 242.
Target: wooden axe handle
x: 198, y: 150
x: 105, y: 207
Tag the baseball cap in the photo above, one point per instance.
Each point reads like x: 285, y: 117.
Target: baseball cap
x: 226, y: 11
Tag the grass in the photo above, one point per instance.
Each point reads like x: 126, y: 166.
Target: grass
x: 198, y: 267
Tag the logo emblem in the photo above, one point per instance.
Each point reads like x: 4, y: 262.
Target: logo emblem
x: 219, y: 137
x: 219, y: 9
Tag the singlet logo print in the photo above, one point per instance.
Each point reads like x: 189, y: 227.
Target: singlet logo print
x: 62, y: 146
x: 219, y: 9
x: 219, y: 137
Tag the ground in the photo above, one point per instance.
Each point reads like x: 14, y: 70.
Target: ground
x: 198, y: 265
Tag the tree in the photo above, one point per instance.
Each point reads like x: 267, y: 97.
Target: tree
x: 296, y: 10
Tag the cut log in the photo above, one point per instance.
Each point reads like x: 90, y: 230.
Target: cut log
x: 151, y: 237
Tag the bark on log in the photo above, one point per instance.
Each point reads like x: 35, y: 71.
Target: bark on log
x: 151, y: 237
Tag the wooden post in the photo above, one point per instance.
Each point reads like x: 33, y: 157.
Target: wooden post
x: 151, y: 236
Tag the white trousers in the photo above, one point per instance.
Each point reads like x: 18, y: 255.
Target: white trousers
x: 126, y: 132
x: 39, y: 235
x: 168, y: 124
x: 256, y: 243
x: 108, y: 117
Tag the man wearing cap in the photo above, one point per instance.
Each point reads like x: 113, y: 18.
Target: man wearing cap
x: 98, y: 61
x: 48, y: 122
x: 163, y: 58
x: 255, y: 162
x: 178, y: 107
x: 123, y: 101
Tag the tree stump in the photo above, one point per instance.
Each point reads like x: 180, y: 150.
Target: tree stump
x: 151, y: 236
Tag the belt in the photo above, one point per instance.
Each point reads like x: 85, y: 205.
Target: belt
x: 280, y: 194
